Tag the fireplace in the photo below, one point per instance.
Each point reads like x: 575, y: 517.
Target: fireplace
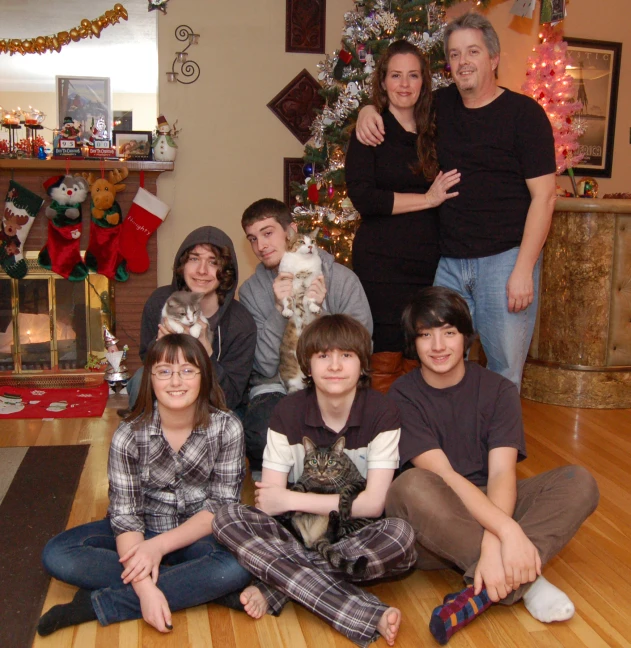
x: 51, y: 328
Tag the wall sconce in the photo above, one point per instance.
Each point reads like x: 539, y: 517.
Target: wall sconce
x: 188, y: 69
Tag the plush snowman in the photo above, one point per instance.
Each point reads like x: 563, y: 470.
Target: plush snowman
x: 164, y: 146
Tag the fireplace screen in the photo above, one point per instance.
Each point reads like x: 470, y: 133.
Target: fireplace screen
x: 49, y: 324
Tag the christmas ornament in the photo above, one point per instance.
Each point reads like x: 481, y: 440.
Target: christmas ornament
x: 146, y: 214
x: 164, y: 146
x: 103, y: 254
x: 42, y: 44
x: 344, y: 58
x: 587, y: 188
x: 62, y: 253
x: 313, y: 193
x: 158, y: 4
x: 20, y: 208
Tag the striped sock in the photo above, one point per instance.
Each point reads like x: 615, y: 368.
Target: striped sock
x: 457, y: 610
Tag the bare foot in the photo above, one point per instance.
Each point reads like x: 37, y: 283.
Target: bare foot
x: 388, y: 625
x: 254, y: 602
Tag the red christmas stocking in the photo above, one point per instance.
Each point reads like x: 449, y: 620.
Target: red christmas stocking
x: 145, y: 215
x: 103, y: 253
x: 61, y: 252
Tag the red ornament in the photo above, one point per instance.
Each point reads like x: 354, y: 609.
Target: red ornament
x: 551, y: 72
x: 542, y: 95
x: 313, y: 194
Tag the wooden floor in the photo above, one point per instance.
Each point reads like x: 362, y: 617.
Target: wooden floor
x: 594, y: 569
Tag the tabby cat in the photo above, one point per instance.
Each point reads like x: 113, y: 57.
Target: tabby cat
x: 303, y: 261
x: 183, y: 309
x: 329, y: 471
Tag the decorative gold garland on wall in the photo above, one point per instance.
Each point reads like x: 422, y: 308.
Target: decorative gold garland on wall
x: 42, y: 44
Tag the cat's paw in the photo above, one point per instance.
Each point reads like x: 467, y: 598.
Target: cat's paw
x: 195, y: 330
x: 176, y: 327
x: 314, y: 308
x: 359, y: 567
x: 287, y: 312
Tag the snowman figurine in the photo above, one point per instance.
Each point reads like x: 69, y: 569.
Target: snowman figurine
x: 164, y: 146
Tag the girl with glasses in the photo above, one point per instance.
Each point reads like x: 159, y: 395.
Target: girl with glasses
x: 173, y: 463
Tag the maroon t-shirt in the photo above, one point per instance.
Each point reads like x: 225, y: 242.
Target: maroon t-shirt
x: 466, y: 421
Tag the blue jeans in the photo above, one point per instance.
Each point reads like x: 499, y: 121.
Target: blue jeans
x: 86, y: 556
x: 482, y: 283
x: 133, y: 387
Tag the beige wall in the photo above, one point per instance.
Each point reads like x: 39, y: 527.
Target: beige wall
x: 145, y: 107
x: 231, y: 147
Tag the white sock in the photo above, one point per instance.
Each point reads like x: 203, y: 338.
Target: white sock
x: 548, y: 603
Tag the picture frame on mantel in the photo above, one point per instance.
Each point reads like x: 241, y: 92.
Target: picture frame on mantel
x: 133, y: 145
x: 595, y: 68
x: 85, y: 99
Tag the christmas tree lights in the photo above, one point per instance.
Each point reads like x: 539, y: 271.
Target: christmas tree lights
x: 548, y: 82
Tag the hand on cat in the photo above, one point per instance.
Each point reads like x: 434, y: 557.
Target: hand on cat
x: 272, y: 499
x: 142, y: 560
x: 164, y: 329
x: 317, y: 290
x: 283, y: 287
x: 437, y: 193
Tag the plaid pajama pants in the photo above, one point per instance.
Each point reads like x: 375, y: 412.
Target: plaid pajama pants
x: 288, y: 570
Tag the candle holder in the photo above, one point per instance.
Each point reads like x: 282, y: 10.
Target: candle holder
x: 188, y: 69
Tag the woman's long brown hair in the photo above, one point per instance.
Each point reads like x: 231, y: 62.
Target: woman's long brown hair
x: 424, y: 112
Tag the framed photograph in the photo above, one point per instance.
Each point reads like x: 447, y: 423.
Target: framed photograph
x: 133, y: 145
x: 85, y: 100
x: 595, y: 68
x: 551, y: 11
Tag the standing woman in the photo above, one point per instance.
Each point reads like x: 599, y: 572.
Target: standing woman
x: 397, y: 187
x: 173, y: 463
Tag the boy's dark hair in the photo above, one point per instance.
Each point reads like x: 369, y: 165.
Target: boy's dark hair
x: 434, y: 307
x: 267, y: 208
x: 226, y: 274
x: 166, y: 349
x: 330, y: 332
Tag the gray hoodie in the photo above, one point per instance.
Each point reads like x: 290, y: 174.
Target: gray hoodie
x: 235, y: 332
x: 344, y: 294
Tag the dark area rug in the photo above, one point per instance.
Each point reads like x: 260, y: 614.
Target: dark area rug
x: 35, y: 508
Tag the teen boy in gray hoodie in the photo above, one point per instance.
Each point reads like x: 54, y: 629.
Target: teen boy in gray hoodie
x: 206, y: 262
x: 267, y: 224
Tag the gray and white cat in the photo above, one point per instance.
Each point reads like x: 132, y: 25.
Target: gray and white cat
x: 183, y: 309
x: 329, y: 471
x: 303, y: 261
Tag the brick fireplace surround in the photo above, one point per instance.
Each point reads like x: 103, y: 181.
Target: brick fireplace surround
x: 129, y: 296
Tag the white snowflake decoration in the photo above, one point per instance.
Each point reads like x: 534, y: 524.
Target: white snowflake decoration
x: 388, y: 21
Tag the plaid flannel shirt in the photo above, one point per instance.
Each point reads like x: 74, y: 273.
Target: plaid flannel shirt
x: 153, y: 488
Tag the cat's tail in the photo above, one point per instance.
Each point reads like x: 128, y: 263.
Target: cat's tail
x: 355, y: 567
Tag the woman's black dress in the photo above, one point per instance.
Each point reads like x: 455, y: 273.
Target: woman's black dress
x: 393, y: 255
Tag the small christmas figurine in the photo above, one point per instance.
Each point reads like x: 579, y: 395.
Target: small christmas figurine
x: 98, y: 131
x: 116, y: 375
x: 164, y: 146
x: 71, y: 130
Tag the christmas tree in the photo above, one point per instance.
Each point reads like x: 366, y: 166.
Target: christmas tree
x: 548, y: 82
x: 346, y: 86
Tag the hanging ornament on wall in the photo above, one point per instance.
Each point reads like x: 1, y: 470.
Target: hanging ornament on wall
x: 158, y: 4
x: 86, y: 29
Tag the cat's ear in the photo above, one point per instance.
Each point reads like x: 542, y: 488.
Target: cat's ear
x: 314, y: 234
x: 309, y: 445
x: 292, y: 235
x: 338, y: 447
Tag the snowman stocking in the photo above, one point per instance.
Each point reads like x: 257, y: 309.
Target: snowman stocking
x: 144, y: 217
x: 20, y: 209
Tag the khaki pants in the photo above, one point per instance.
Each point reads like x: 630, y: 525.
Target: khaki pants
x: 550, y: 508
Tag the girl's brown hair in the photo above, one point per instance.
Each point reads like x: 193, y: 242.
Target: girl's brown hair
x: 330, y: 332
x: 166, y: 349
x: 424, y: 111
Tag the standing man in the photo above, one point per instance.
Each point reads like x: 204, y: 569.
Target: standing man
x: 492, y: 233
x: 267, y: 224
x: 461, y: 438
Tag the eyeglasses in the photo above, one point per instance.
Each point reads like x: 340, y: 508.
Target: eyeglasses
x: 184, y: 374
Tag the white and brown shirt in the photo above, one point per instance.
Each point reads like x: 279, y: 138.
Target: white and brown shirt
x: 372, y: 432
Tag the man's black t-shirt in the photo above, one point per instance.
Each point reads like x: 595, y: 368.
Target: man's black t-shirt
x: 495, y: 148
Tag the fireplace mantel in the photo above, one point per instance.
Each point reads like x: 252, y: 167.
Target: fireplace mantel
x: 129, y: 296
